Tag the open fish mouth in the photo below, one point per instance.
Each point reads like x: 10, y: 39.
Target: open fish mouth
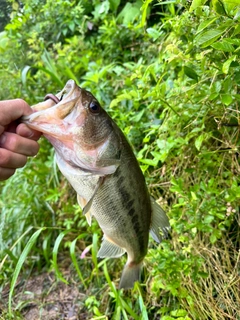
x: 52, y: 97
x: 56, y: 115
x: 63, y: 99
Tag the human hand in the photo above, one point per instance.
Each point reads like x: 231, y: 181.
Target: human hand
x: 17, y: 141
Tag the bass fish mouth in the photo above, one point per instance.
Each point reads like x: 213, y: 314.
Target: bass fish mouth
x: 52, y: 97
x: 49, y: 115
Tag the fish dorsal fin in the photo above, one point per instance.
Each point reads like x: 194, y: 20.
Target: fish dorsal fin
x: 82, y: 203
x: 110, y: 249
x: 160, y: 224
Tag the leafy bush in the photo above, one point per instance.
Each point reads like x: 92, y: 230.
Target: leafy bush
x: 168, y: 73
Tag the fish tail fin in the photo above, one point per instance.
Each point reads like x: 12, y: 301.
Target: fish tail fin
x: 130, y: 274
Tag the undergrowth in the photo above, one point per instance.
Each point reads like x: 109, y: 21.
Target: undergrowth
x: 168, y: 73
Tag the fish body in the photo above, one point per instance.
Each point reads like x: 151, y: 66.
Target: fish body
x: 95, y: 157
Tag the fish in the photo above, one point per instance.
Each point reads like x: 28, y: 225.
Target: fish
x: 96, y: 158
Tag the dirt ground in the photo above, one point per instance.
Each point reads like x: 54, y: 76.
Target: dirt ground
x: 43, y: 298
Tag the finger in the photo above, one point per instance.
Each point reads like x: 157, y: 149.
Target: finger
x: 11, y: 110
x: 18, y: 144
x: 24, y: 131
x: 6, y: 173
x: 11, y: 160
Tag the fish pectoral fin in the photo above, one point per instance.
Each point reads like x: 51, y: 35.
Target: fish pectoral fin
x: 107, y: 167
x: 160, y: 226
x: 110, y: 249
x: 82, y: 203
x: 88, y: 205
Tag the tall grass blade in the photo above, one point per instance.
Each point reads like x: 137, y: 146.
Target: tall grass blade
x: 143, y: 308
x: 94, y: 252
x: 46, y: 248
x: 24, y: 74
x: 55, y: 253
x: 129, y: 309
x: 51, y: 68
x: 15, y: 243
x: 111, y: 285
x: 21, y: 260
x: 74, y: 260
x: 120, y: 302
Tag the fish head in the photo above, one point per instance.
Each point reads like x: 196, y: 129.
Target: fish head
x: 77, y: 126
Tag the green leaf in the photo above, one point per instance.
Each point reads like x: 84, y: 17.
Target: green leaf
x: 179, y: 313
x: 236, y: 29
x: 124, y: 96
x: 226, y: 65
x: 153, y: 33
x: 204, y: 24
x: 144, y: 10
x: 230, y: 5
x: 4, y: 40
x: 114, y: 4
x: 101, y: 9
x: 195, y: 4
x: 223, y: 45
x: 205, y: 39
x: 150, y: 162
x: 137, y: 117
x: 190, y: 73
x: 219, y: 7
x: 233, y: 41
x: 226, y: 99
x: 200, y: 139
x: 129, y: 13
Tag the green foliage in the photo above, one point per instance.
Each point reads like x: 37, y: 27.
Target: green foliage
x: 168, y: 73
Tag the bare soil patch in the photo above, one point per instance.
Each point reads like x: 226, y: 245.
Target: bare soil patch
x: 42, y: 297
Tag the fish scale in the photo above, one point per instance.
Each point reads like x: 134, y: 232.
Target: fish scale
x: 96, y: 158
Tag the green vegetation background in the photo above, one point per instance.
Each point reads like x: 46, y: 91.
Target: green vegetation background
x: 169, y: 74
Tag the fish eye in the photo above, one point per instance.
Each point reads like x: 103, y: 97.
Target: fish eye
x: 94, y: 107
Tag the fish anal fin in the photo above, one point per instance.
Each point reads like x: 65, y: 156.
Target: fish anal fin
x: 160, y: 226
x: 109, y: 249
x: 82, y: 203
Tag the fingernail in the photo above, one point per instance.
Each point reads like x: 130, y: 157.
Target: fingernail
x: 28, y: 133
x: 2, y: 139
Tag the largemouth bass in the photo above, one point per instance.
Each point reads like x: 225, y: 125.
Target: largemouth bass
x: 96, y: 158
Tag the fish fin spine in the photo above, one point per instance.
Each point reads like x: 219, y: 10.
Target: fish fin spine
x: 131, y: 273
x: 160, y: 226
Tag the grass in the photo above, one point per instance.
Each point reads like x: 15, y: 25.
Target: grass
x: 217, y: 296
x: 173, y: 95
